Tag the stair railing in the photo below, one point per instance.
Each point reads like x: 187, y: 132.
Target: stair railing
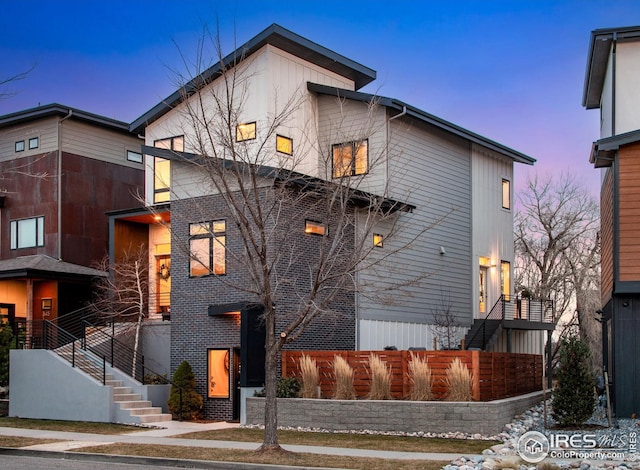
x: 497, y: 312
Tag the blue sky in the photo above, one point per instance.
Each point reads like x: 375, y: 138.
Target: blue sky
x: 512, y: 71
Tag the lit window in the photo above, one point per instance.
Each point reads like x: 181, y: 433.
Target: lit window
x: 34, y: 142
x: 218, y: 373
x: 377, y: 240
x: 350, y: 159
x: 284, y: 145
x: 161, y: 180
x: 314, y: 228
x: 27, y: 233
x: 20, y: 146
x: 171, y: 143
x: 506, y: 194
x: 505, y: 278
x: 245, y: 131
x: 135, y: 157
x: 207, y: 248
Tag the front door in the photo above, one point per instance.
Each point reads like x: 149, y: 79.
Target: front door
x: 163, y: 285
x: 483, y: 289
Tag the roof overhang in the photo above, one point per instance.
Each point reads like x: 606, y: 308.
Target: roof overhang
x: 279, y: 37
x: 423, y: 116
x: 598, y: 57
x: 45, y: 267
x: 603, y: 151
x: 59, y: 110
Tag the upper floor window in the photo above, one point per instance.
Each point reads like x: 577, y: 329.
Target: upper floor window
x: 171, y: 143
x: 135, y: 157
x: 284, y: 144
x: 19, y: 146
x: 350, y: 158
x: 505, y: 278
x: 34, y: 143
x: 506, y: 194
x: 27, y: 233
x: 315, y: 228
x: 207, y: 241
x: 162, y: 168
x: 377, y: 240
x: 245, y: 131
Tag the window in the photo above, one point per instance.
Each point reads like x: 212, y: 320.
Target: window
x: 20, y: 146
x: 284, y: 144
x: 505, y: 278
x: 315, y: 228
x: 207, y: 248
x: 377, y: 240
x: 350, y: 159
x: 506, y: 194
x: 218, y: 373
x: 135, y: 157
x: 162, y: 168
x: 27, y: 233
x: 245, y: 131
x: 34, y: 143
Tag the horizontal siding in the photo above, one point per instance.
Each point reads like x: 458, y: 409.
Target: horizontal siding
x: 98, y: 143
x: 45, y: 129
x: 629, y: 220
x: 606, y: 237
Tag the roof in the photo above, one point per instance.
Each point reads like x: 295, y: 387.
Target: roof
x: 279, y: 37
x: 603, y: 151
x: 424, y: 117
x: 598, y: 57
x: 55, y: 109
x: 45, y: 266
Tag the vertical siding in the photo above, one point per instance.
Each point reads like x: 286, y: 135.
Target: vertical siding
x: 375, y: 335
x: 606, y: 103
x: 629, y: 212
x: 492, y: 225
x: 522, y: 341
x: 627, y: 97
x: 606, y: 237
x: 98, y: 143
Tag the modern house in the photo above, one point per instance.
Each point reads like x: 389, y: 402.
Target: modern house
x: 61, y: 170
x: 449, y: 190
x: 611, y: 85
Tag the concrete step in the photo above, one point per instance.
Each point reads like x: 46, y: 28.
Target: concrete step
x: 148, y: 410
x: 121, y: 390
x: 129, y: 405
x: 126, y: 397
x: 154, y: 418
x: 113, y: 383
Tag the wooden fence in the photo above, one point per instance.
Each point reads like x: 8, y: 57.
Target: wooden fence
x: 495, y: 375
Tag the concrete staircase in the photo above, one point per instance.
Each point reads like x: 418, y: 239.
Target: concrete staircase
x: 131, y: 407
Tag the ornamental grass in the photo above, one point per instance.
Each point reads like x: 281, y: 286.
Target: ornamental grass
x: 459, y: 381
x: 420, y: 378
x: 309, y: 376
x: 343, y: 374
x: 380, y: 379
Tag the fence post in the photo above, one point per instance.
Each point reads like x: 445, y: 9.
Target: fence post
x: 475, y: 377
x: 104, y: 370
x: 73, y: 353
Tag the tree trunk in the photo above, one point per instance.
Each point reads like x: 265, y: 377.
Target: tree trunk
x: 270, y: 442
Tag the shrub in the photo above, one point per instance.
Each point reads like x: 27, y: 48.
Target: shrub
x: 574, y: 399
x: 459, y: 381
x: 344, y: 379
x: 155, y: 379
x: 420, y: 377
x: 191, y: 400
x: 310, y: 379
x: 288, y: 387
x: 380, y: 379
x: 6, y: 336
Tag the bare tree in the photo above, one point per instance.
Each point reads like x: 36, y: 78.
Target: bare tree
x: 268, y: 194
x: 558, y: 249
x: 6, y: 81
x: 122, y: 296
x: 446, y: 324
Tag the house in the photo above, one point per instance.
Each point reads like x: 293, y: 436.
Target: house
x: 449, y: 189
x: 611, y: 86
x: 62, y: 169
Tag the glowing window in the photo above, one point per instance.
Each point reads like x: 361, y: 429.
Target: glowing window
x: 284, y: 144
x: 350, y: 159
x: 314, y: 228
x: 218, y: 373
x: 505, y: 278
x: 506, y: 194
x: 377, y: 240
x: 207, y: 248
x: 245, y: 131
x: 161, y: 180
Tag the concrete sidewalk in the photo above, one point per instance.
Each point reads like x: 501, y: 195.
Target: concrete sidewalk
x: 74, y: 441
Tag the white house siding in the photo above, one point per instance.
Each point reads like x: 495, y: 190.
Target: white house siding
x: 269, y: 79
x: 45, y: 129
x: 522, y: 341
x: 377, y: 334
x: 606, y: 102
x: 627, y: 100
x: 100, y: 144
x: 492, y: 225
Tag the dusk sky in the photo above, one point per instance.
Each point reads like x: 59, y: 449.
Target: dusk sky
x: 512, y: 71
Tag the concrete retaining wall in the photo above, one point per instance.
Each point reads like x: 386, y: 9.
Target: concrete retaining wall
x: 487, y: 418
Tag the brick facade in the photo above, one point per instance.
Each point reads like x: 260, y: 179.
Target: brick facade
x: 193, y: 331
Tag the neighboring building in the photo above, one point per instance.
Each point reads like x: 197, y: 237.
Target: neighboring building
x: 456, y: 182
x: 611, y: 85
x: 62, y: 169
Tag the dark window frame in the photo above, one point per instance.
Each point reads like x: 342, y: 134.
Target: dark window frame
x: 289, y: 139
x: 502, y: 188
x: 246, y: 139
x: 14, y: 233
x: 209, y: 235
x: 354, y: 154
x: 310, y: 223
x: 138, y: 159
x: 17, y: 149
x: 37, y: 140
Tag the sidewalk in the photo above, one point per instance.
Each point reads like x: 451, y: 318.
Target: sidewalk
x: 75, y: 441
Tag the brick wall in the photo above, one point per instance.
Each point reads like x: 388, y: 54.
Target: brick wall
x: 193, y: 332
x: 486, y: 418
